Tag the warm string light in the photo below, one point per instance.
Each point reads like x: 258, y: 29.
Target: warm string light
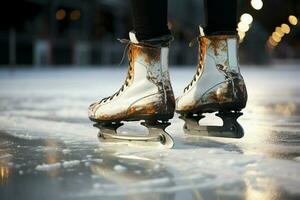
x: 246, y: 19
x: 244, y: 25
x: 257, y: 4
x: 75, y: 15
x: 280, y: 32
x: 293, y: 20
x: 61, y: 15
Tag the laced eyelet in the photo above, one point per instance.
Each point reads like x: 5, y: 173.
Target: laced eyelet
x: 129, y: 77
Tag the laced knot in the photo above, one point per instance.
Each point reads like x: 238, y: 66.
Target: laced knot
x: 129, y: 73
x: 199, y: 67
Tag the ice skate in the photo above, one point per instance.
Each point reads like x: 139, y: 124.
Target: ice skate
x: 146, y: 95
x: 217, y: 86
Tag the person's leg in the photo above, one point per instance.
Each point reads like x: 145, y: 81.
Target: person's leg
x: 150, y: 18
x: 221, y: 17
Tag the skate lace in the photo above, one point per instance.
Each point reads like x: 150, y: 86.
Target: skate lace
x: 129, y: 72
x: 199, y: 66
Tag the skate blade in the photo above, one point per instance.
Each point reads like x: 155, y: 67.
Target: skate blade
x: 157, y: 137
x: 214, y: 131
x: 230, y: 129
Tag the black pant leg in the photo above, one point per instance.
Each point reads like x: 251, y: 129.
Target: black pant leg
x: 150, y: 18
x: 221, y: 17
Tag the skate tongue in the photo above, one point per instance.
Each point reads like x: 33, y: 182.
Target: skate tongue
x: 201, y: 34
x: 133, y: 38
x: 201, y: 30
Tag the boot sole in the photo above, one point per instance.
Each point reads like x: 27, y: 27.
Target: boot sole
x: 160, y: 117
x: 215, y: 107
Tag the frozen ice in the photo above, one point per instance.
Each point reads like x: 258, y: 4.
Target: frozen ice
x: 5, y: 156
x: 47, y: 167
x: 66, y: 151
x: 47, y: 141
x: 120, y: 168
x: 71, y: 163
x: 98, y: 160
x: 297, y: 158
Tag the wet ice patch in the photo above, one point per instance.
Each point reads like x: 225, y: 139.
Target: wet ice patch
x: 66, y: 151
x: 46, y: 149
x: 156, y: 167
x: 71, y: 163
x: 5, y: 156
x: 297, y: 158
x: 48, y: 167
x: 54, y: 166
x: 87, y: 164
x: 120, y: 168
x: 98, y: 160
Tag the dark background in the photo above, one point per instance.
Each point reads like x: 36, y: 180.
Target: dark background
x: 84, y: 32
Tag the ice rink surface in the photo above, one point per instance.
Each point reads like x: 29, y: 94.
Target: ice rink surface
x: 50, y: 150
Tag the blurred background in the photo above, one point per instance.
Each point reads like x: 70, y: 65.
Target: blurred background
x: 84, y: 32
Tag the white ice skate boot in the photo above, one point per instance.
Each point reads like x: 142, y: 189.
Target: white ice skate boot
x: 146, y: 95
x: 216, y: 86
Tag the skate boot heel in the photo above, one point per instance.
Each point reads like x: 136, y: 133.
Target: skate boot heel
x: 231, y: 107
x: 231, y: 95
x: 153, y: 108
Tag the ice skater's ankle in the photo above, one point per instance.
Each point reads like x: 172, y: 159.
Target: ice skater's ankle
x: 160, y: 41
x: 215, y: 33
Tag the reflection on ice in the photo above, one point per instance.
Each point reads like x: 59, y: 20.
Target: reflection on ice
x: 52, y: 158
x: 4, y: 174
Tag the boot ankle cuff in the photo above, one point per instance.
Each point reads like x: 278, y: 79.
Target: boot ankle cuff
x: 162, y: 41
x: 216, y: 33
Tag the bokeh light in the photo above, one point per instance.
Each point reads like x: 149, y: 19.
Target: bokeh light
x: 285, y: 28
x: 279, y: 32
x: 246, y: 18
x: 243, y: 27
x: 272, y: 42
x: 241, y: 35
x: 257, y: 4
x: 60, y: 14
x: 293, y: 20
x: 75, y: 15
x: 275, y: 37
